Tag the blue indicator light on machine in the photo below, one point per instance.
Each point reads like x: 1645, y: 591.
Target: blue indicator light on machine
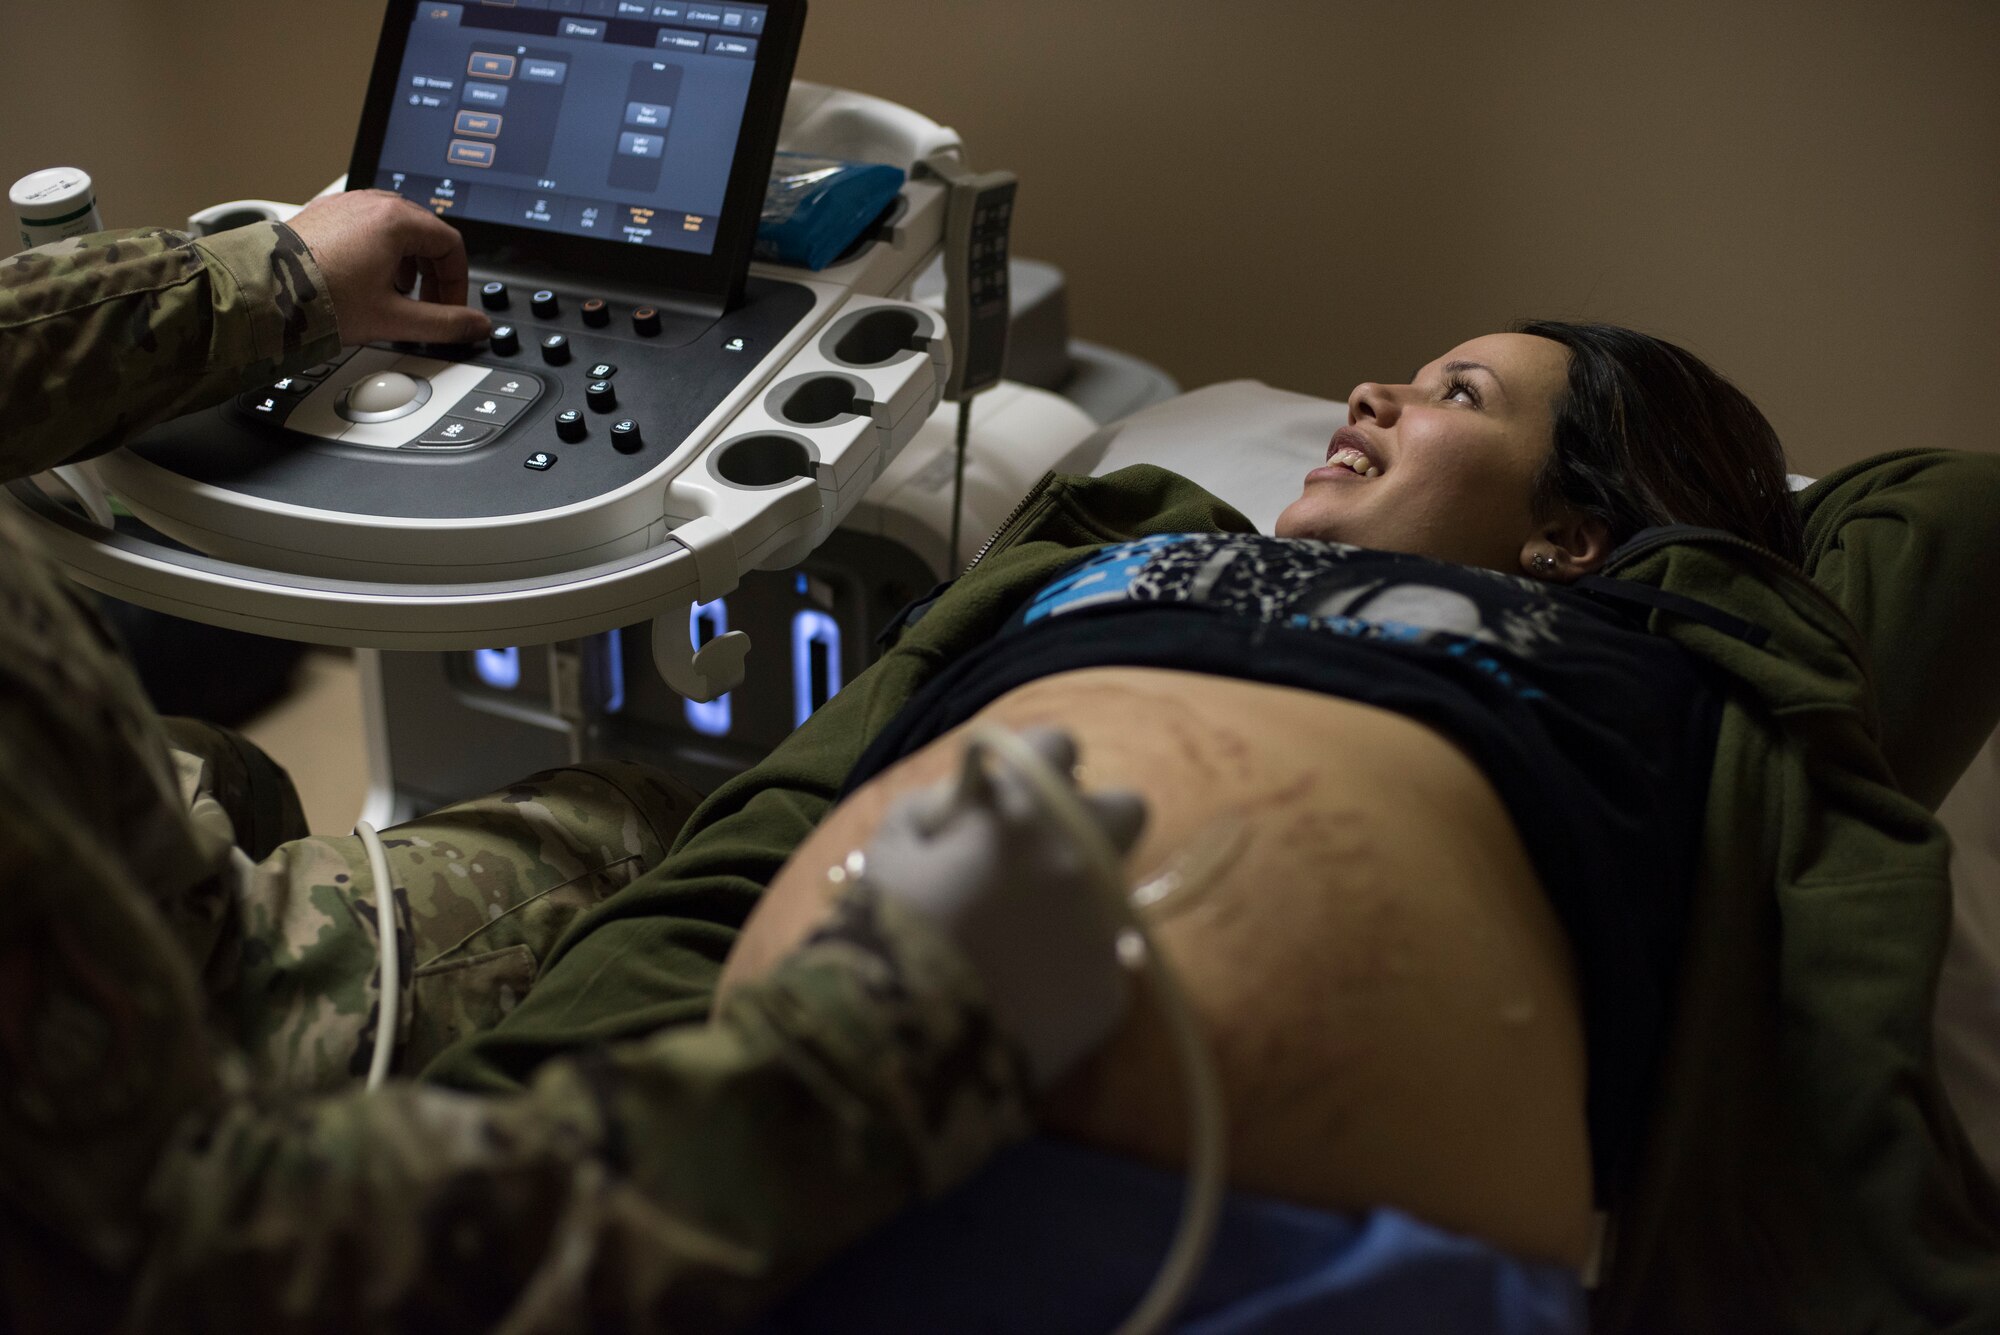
x: 801, y: 581
x: 705, y: 622
x: 614, y: 671
x: 498, y: 668
x: 815, y: 663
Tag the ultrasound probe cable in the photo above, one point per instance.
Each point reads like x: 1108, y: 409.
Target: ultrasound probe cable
x: 391, y: 1008
x: 1202, y: 1205
x: 959, y: 440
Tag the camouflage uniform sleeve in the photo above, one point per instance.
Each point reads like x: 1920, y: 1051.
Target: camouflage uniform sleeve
x: 102, y: 336
x: 680, y: 1182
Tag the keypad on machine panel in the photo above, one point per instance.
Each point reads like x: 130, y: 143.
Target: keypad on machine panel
x: 468, y: 404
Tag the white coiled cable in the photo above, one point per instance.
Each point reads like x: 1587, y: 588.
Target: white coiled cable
x: 1202, y: 1205
x: 391, y: 957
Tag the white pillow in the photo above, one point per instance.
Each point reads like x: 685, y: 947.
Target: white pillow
x: 1245, y: 442
x: 1252, y: 446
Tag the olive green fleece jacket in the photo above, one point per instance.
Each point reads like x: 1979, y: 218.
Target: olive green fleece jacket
x: 1803, y: 1172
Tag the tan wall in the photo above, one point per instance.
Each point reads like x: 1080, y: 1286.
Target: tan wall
x: 1804, y: 191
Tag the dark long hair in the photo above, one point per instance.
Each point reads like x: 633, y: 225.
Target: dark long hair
x: 1647, y: 433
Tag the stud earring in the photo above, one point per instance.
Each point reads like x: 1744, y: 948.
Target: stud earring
x: 1543, y: 564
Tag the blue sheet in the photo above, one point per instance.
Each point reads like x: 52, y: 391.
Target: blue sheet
x: 1052, y: 1237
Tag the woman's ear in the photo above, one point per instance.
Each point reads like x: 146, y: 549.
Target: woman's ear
x: 1567, y: 548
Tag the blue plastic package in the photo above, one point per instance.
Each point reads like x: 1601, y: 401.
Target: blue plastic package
x: 815, y: 208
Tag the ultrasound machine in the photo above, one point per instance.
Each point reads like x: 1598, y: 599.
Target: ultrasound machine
x: 562, y: 542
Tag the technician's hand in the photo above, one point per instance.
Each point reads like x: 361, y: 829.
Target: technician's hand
x: 1010, y: 887
x: 372, y: 247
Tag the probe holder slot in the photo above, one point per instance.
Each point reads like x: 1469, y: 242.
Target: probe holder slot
x: 877, y: 336
x: 818, y: 399
x: 768, y: 459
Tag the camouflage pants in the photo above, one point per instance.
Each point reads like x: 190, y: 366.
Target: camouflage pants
x: 482, y: 889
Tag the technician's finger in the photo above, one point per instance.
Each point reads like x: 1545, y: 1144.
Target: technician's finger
x: 1054, y: 745
x: 924, y: 812
x: 423, y: 322
x: 406, y: 275
x: 427, y: 237
x: 1121, y: 813
x: 433, y: 286
x: 445, y: 279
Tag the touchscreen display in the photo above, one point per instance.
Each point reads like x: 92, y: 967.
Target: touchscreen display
x: 610, y: 119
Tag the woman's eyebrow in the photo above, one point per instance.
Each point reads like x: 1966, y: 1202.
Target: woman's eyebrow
x: 1453, y: 368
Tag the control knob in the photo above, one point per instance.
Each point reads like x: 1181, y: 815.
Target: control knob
x: 505, y: 340
x: 595, y: 313
x: 600, y: 396
x: 555, y: 349
x: 544, y: 305
x: 493, y: 296
x: 625, y: 437
x: 571, y: 426
x: 646, y: 322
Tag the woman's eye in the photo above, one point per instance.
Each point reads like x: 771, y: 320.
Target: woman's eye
x: 1455, y: 388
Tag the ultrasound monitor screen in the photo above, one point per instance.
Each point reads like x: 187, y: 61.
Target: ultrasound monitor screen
x: 608, y: 119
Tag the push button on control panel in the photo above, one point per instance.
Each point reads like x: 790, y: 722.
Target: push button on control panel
x: 498, y: 409
x: 269, y: 406
x: 514, y: 384
x: 455, y: 433
x: 276, y: 400
x: 541, y: 461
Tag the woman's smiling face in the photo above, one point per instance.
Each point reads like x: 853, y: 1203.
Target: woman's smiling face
x: 1451, y: 459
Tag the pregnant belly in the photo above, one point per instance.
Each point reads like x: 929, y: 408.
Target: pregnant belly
x: 1387, y: 993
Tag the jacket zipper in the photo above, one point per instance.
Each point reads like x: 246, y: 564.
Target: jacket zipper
x: 1034, y: 493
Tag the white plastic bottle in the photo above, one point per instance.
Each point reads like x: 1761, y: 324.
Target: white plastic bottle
x: 54, y: 203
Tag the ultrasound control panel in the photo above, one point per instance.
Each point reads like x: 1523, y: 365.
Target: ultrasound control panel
x: 601, y: 362
x: 582, y: 392
x: 387, y: 399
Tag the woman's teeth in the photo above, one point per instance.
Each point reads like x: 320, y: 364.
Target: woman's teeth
x: 1354, y: 461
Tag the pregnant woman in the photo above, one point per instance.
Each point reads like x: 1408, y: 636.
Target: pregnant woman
x: 1445, y: 789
